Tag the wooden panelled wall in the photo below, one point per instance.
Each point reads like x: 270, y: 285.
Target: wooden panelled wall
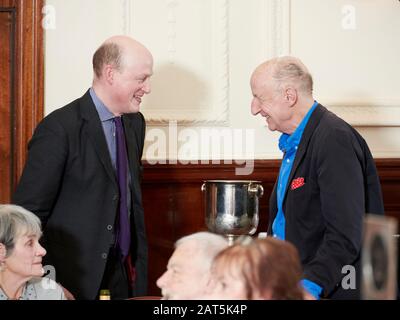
x: 173, y: 201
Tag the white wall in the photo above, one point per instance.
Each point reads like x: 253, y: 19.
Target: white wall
x: 205, y: 51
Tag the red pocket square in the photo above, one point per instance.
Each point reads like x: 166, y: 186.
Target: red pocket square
x: 297, y: 183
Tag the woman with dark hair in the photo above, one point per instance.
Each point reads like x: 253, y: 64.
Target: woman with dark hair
x: 268, y: 269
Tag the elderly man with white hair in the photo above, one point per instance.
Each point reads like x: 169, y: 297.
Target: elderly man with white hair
x: 327, y: 180
x: 188, y: 270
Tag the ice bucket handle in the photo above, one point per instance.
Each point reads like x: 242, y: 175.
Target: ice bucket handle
x: 203, y: 187
x: 257, y: 189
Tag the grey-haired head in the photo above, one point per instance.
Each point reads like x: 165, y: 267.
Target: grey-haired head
x: 16, y: 221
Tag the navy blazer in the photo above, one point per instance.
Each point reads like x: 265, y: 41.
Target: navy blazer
x: 69, y: 183
x: 324, y: 216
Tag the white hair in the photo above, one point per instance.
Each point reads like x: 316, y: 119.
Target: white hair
x: 290, y: 70
x: 207, y: 244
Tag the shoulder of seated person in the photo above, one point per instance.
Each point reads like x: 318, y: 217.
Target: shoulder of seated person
x: 47, y: 289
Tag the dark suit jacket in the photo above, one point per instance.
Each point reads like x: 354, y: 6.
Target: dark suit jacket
x: 69, y: 182
x: 324, y: 217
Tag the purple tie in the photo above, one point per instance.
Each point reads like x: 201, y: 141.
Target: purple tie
x: 123, y: 225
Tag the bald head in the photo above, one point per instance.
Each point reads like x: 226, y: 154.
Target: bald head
x: 119, y: 51
x: 284, y: 71
x: 282, y: 93
x: 122, y: 69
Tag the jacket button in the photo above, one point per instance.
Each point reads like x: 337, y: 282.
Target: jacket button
x: 115, y: 198
x: 109, y: 227
x: 104, y: 255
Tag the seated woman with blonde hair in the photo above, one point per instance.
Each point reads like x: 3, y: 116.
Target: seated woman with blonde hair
x: 267, y: 269
x: 21, y: 256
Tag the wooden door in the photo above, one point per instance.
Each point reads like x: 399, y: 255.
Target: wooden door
x: 21, y: 85
x: 7, y: 33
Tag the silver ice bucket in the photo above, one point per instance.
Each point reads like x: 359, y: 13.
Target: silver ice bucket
x: 231, y: 207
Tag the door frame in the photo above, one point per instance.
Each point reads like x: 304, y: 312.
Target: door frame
x: 28, y: 77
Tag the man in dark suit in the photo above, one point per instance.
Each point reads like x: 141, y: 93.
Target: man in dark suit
x: 71, y: 178
x: 327, y: 181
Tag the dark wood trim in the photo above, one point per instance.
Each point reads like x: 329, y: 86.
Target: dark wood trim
x: 173, y: 203
x: 28, y: 71
x: 389, y: 174
x: 264, y: 170
x: 389, y: 169
x: 7, y: 53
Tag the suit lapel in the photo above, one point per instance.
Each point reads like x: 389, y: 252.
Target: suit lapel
x: 305, y: 139
x: 94, y: 130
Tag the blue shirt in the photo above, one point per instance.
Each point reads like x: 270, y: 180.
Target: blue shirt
x: 288, y: 144
x: 108, y: 123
